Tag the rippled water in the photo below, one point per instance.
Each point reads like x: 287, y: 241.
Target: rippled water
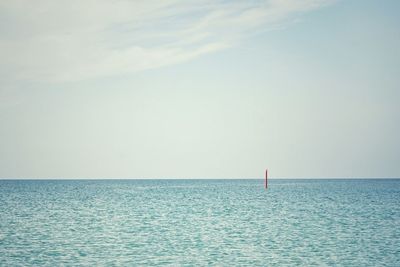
x: 200, y: 222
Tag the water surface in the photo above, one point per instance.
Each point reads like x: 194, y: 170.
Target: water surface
x: 200, y: 222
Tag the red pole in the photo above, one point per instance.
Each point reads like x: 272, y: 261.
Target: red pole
x: 266, y: 178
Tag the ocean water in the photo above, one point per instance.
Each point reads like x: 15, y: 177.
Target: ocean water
x: 200, y: 222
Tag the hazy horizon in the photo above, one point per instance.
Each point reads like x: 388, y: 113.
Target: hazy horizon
x: 209, y: 178
x: 212, y: 89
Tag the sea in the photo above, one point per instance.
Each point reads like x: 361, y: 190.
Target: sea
x: 295, y: 222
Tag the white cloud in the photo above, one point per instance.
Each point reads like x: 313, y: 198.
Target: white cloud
x: 55, y: 41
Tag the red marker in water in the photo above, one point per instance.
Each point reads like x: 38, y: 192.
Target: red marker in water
x: 266, y: 178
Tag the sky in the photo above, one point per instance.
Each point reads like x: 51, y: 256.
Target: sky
x: 199, y: 89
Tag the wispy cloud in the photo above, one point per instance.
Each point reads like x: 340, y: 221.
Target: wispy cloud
x: 55, y: 41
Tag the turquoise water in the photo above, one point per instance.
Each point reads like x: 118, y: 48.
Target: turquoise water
x: 200, y: 222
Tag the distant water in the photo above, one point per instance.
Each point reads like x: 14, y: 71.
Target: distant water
x: 200, y: 222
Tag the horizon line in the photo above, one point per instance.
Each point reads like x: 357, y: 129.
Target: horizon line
x: 254, y: 178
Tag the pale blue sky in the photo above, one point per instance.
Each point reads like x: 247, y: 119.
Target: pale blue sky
x: 199, y: 90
